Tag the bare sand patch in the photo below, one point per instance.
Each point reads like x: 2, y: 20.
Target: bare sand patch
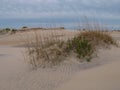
x: 105, y: 77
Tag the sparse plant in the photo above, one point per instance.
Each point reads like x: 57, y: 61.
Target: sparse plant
x: 24, y: 27
x: 5, y: 31
x: 98, y: 38
x: 13, y: 31
x: 46, y: 51
x: 81, y: 46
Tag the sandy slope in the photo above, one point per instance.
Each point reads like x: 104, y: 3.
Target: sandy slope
x: 15, y: 73
x: 106, y: 77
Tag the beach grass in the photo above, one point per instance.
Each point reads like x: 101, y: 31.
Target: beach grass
x: 44, y: 51
x: 85, y: 44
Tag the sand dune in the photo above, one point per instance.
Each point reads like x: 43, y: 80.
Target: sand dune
x: 15, y: 74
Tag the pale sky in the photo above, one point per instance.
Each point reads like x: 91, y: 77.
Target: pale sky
x: 103, y: 10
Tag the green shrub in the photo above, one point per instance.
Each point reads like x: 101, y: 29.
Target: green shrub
x: 24, y: 27
x: 81, y: 46
x: 7, y: 29
x: 86, y: 43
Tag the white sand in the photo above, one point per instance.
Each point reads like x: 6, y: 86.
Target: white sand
x: 15, y: 73
x: 106, y: 77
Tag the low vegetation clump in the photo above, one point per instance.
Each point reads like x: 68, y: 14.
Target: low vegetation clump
x: 24, y: 27
x: 51, y: 51
x: 86, y: 43
x: 41, y: 56
x: 81, y: 46
x: 98, y: 38
x: 5, y: 31
x: 44, y: 51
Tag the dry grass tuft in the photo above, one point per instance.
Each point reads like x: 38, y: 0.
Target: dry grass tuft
x: 49, y: 51
x: 44, y: 51
x: 98, y: 38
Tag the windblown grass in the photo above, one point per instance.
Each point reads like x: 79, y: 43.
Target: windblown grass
x: 98, y: 38
x: 49, y: 51
x: 44, y: 50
